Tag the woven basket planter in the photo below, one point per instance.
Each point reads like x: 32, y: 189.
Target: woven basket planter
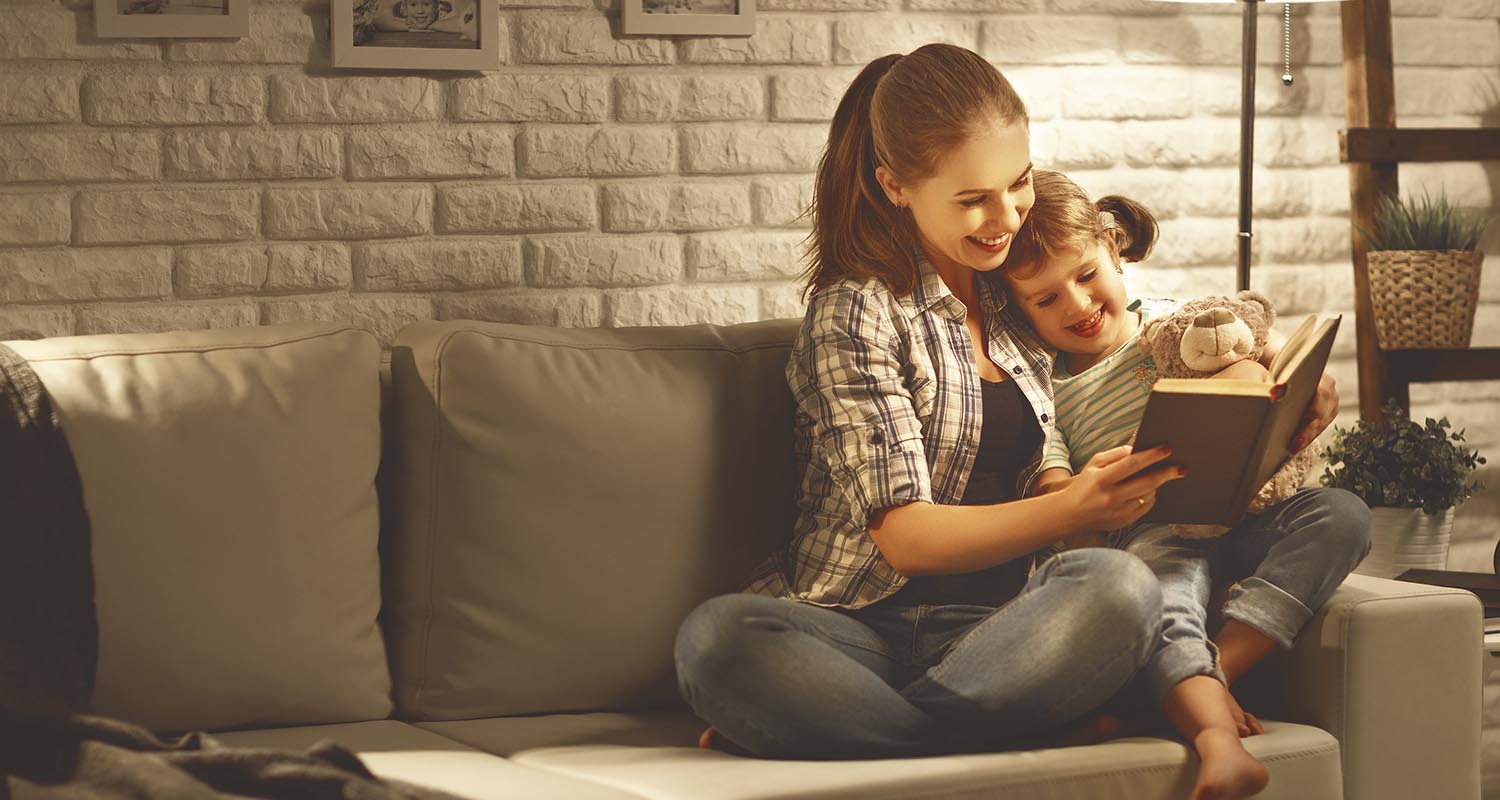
x: 1424, y: 298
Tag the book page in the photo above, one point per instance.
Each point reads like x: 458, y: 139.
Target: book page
x: 1296, y: 345
x: 1301, y: 375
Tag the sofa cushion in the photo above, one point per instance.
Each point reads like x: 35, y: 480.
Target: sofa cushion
x: 397, y: 751
x: 507, y: 736
x: 229, y: 481
x: 565, y: 497
x: 1303, y: 761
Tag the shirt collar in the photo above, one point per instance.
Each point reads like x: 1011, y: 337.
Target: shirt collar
x: 931, y: 292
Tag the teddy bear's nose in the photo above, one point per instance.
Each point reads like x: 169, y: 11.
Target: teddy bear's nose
x: 1213, y: 318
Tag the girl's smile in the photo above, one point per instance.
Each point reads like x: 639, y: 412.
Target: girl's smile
x: 1091, y: 326
x: 1077, y: 304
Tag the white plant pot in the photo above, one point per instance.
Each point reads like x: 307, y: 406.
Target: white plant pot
x: 1405, y: 538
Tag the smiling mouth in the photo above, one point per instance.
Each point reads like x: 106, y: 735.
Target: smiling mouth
x: 1094, y: 320
x: 995, y: 244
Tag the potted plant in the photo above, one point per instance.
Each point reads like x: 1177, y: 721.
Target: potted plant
x: 1412, y: 477
x: 1423, y: 268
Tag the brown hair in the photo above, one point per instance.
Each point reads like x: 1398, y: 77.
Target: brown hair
x: 1063, y: 218
x: 905, y: 113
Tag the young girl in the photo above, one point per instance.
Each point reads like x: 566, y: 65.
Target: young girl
x: 911, y: 613
x: 1064, y: 274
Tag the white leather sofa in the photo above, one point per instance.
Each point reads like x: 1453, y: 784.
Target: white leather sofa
x: 497, y: 618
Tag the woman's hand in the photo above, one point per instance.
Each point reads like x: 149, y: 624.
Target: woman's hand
x: 1109, y: 493
x: 1319, y: 414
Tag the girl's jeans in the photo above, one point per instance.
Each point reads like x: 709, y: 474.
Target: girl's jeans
x: 1283, y: 564
x: 793, y: 680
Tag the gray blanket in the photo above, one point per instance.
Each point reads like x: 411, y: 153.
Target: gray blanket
x: 50, y: 747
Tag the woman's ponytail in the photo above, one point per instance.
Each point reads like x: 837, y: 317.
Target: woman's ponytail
x: 853, y: 230
x: 1134, y: 226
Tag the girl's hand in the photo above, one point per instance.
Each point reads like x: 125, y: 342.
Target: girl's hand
x: 1319, y: 414
x: 1109, y: 493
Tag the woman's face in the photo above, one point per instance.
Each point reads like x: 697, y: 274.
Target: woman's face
x: 1076, y: 302
x: 968, y: 211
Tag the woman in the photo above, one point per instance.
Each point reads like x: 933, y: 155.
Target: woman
x: 911, y: 613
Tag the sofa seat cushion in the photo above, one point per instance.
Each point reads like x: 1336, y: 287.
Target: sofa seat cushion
x: 397, y: 751
x: 229, y: 478
x: 508, y: 735
x: 654, y: 755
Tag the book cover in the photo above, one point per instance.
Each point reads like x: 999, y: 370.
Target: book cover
x: 1231, y: 435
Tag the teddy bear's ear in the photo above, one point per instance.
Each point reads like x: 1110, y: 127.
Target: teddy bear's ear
x: 1248, y: 296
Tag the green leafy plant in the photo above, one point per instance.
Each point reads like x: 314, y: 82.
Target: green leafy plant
x: 1401, y: 464
x: 1423, y: 223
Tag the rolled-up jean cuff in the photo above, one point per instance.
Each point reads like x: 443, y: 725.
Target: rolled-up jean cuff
x: 1268, y: 609
x: 1179, y: 661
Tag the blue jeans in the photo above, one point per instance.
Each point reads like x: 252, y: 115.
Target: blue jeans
x: 1282, y: 564
x: 793, y: 680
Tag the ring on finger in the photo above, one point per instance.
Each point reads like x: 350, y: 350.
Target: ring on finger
x: 1140, y: 501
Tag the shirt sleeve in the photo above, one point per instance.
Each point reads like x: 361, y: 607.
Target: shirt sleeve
x: 1055, y: 453
x: 846, y: 375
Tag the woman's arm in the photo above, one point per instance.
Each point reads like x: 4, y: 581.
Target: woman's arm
x: 923, y: 538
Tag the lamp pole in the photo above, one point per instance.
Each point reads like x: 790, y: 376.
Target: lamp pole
x: 1247, y: 140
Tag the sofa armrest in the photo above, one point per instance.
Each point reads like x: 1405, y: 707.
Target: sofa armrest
x: 1393, y: 671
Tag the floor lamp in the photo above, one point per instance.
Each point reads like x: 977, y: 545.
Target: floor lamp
x: 1247, y: 116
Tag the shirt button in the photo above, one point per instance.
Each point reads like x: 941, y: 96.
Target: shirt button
x: 1016, y: 370
x: 877, y: 438
x: 1044, y: 418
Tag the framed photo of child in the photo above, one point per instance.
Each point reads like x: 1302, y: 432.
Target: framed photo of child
x: 416, y: 34
x: 117, y: 19
x: 688, y: 17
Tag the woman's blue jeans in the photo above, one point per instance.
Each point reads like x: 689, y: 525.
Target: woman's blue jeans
x: 1282, y: 565
x: 792, y: 680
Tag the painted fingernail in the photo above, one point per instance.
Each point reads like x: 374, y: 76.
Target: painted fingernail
x: 1181, y: 472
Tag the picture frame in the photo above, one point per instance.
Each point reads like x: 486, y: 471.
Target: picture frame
x: 688, y: 17
x: 415, y: 34
x: 147, y: 19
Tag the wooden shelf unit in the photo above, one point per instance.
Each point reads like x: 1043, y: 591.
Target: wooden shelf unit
x: 1373, y: 146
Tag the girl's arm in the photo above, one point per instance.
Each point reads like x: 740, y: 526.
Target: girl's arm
x: 922, y: 538
x: 1050, y: 479
x: 1320, y: 410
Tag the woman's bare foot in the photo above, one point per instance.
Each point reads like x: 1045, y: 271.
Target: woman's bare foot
x: 711, y: 739
x: 1226, y: 770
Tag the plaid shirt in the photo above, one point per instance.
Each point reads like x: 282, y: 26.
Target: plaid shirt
x: 887, y: 412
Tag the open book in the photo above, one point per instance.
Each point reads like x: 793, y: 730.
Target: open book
x: 1232, y: 435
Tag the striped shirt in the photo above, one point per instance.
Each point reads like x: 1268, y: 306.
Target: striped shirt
x: 1101, y: 407
x: 888, y: 412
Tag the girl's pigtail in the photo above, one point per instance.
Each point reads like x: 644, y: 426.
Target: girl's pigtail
x: 1135, y: 226
x: 852, y: 229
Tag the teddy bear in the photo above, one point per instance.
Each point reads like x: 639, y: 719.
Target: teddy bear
x: 1204, y: 336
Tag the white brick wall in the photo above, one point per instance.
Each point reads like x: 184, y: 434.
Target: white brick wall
x: 590, y: 180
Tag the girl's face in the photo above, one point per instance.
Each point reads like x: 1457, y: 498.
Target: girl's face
x: 969, y: 210
x: 421, y: 14
x: 1076, y: 302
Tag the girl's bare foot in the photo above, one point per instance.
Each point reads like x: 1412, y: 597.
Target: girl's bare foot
x: 1244, y: 721
x: 1226, y: 770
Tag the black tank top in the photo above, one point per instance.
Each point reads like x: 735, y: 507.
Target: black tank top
x: 1008, y: 439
